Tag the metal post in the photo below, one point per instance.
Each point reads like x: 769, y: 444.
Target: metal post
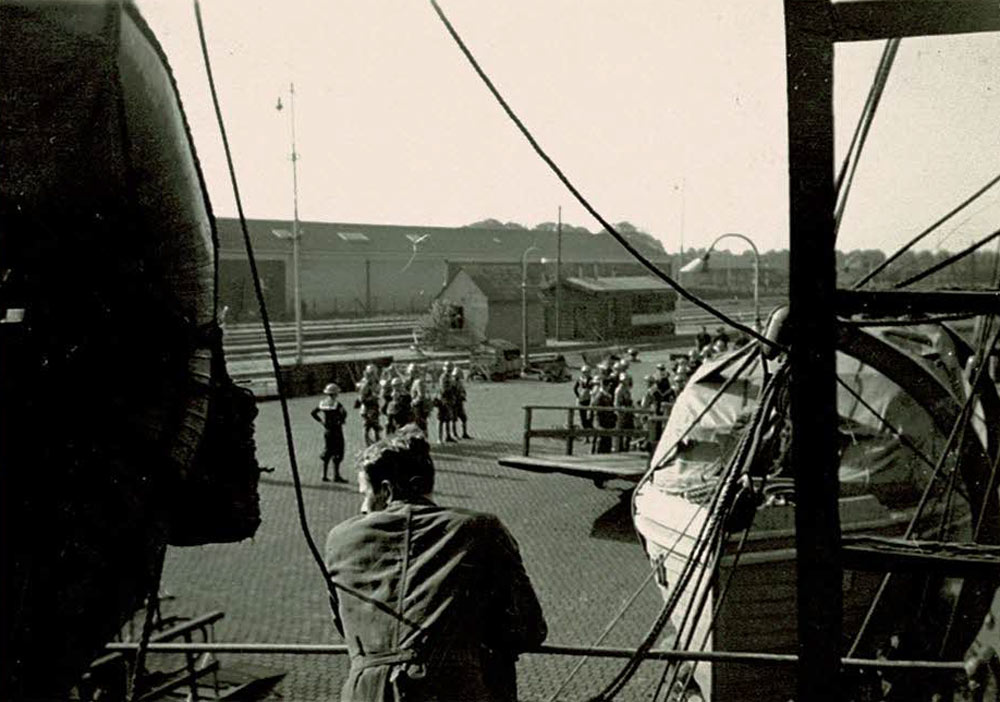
x: 571, y: 429
x: 812, y: 284
x: 524, y: 309
x: 558, y: 274
x: 756, y: 290
x: 527, y: 430
x: 368, y: 286
x: 297, y: 290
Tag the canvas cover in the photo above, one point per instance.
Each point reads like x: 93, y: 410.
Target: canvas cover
x: 874, y: 457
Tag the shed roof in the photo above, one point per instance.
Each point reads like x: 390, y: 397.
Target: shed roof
x: 497, y: 283
x: 629, y: 283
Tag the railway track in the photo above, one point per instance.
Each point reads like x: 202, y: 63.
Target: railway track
x: 247, y: 342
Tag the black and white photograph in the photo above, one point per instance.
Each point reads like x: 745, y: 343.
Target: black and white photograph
x: 468, y: 351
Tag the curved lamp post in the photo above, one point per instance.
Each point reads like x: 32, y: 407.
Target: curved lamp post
x: 701, y: 264
x: 524, y: 308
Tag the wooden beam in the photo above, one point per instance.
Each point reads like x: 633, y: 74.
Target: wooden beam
x: 897, y: 303
x: 863, y: 20
x: 812, y: 283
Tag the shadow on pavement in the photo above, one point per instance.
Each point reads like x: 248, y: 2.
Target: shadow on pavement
x: 615, y: 524
x: 472, y: 474
x: 474, y: 448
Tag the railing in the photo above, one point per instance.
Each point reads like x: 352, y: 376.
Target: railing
x: 573, y: 431
x: 115, y: 666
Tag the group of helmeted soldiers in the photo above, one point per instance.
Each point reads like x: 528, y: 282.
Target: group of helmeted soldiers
x: 607, y: 390
x: 399, y: 397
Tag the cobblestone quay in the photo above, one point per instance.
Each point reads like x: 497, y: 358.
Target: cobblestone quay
x: 576, y: 540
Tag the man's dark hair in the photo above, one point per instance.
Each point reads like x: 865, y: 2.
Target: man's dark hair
x: 403, y: 460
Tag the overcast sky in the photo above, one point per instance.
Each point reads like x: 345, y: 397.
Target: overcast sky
x: 668, y: 114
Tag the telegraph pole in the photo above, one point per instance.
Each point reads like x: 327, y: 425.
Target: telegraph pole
x: 558, y: 273
x: 296, y: 288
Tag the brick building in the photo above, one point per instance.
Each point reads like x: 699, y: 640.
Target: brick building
x: 364, y: 269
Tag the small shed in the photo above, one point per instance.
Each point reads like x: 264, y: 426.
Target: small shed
x: 618, y: 308
x: 489, y: 302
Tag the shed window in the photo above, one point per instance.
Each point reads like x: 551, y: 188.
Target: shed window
x: 352, y: 236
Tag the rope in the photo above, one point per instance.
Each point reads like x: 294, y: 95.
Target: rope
x: 701, y: 543
x: 964, y: 413
x: 850, y: 164
x: 948, y: 261
x: 649, y: 265
x: 331, y: 585
x: 915, y: 240
x: 621, y: 613
x: 885, y: 422
x: 715, y: 612
x: 719, y: 511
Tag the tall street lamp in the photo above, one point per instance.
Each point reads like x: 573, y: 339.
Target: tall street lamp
x: 294, y: 235
x: 701, y: 264
x: 524, y: 308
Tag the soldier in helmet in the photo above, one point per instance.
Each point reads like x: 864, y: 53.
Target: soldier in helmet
x: 581, y: 388
x: 332, y: 415
x: 400, y: 409
x: 458, y: 404
x: 422, y: 402
x: 702, y: 339
x: 444, y: 402
x: 600, y: 397
x: 625, y: 420
x: 368, y: 401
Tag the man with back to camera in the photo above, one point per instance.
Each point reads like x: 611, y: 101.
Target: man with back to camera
x: 434, y: 602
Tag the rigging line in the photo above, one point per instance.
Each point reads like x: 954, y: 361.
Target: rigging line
x: 912, y: 242
x: 607, y: 629
x: 331, y: 585
x: 701, y: 415
x: 721, y: 497
x: 885, y: 422
x: 696, y: 607
x: 649, y: 265
x: 666, y: 611
x: 648, y: 475
x: 843, y: 187
x: 953, y: 613
x: 960, y: 421
x: 990, y: 486
x: 948, y: 261
x: 955, y: 227
x: 718, y: 511
x: 720, y: 600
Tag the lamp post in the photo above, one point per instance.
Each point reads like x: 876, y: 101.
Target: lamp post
x: 294, y: 235
x: 524, y: 309
x: 701, y: 264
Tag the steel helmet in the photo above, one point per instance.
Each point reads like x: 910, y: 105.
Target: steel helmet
x: 331, y: 389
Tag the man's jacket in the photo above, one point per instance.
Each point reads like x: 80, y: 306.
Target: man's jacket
x: 435, y: 604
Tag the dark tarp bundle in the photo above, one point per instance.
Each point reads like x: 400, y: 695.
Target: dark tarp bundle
x: 119, y: 428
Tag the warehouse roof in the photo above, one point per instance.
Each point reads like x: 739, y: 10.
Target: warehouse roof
x: 382, y: 240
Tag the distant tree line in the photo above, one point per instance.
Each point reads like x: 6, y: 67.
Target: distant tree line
x: 979, y: 269
x: 646, y: 243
